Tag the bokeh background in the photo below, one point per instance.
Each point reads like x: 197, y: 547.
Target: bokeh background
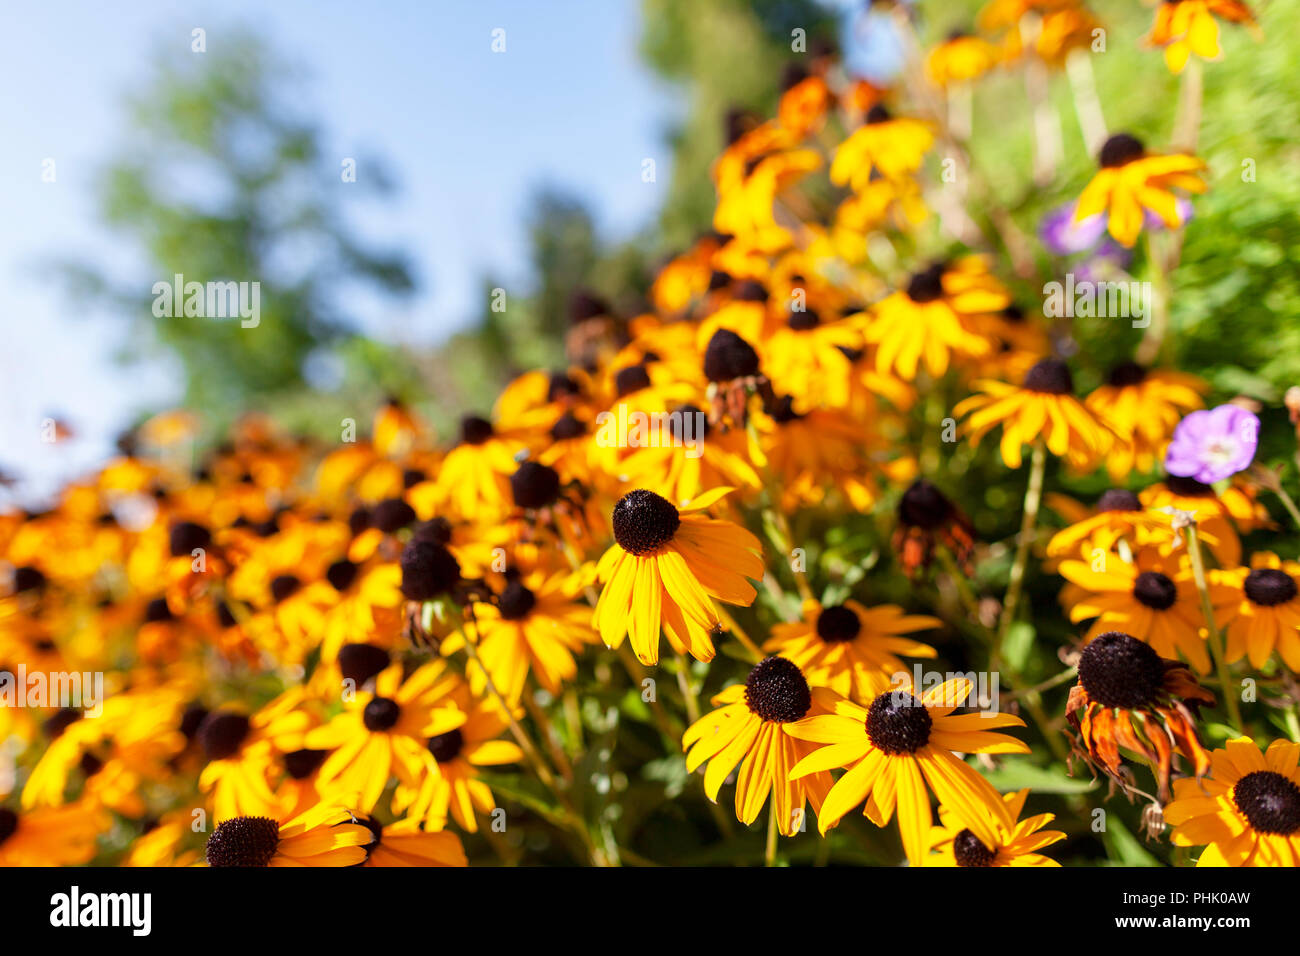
x: 522, y: 170
x: 519, y: 170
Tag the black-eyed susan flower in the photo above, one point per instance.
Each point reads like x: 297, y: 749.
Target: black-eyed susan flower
x: 241, y: 751
x: 325, y: 835
x: 1247, y: 812
x: 747, y: 209
x: 664, y: 570
x: 1184, y: 27
x: 804, y: 102
x: 952, y: 843
x: 821, y: 451
x: 852, y: 649
x: 895, y: 746
x: 960, y: 58
x: 731, y: 365
x: 457, y: 788
x: 1142, y: 407
x: 1043, y: 408
x: 474, y: 477
x: 693, y: 458
x: 931, y: 319
x: 747, y: 729
x: 1221, y: 513
x: 1268, y: 614
x: 1132, y: 180
x: 1118, y: 524
x: 926, y: 518
x: 404, y: 844
x: 384, y: 732
x: 535, y: 626
x: 1129, y: 697
x: 51, y: 836
x: 806, y: 357
x: 893, y: 146
x: 1151, y: 597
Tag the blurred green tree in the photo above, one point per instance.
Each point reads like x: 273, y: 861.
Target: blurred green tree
x: 222, y: 180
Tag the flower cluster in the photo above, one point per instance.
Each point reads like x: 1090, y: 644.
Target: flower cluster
x: 365, y: 652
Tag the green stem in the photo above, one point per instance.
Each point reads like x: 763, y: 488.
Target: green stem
x: 1288, y: 503
x: 769, y: 858
x: 1029, y: 521
x: 1215, y: 639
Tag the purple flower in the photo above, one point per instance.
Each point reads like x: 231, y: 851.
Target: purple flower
x: 1063, y: 237
x: 1210, y: 446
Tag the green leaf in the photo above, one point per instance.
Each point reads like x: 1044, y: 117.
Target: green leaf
x: 1017, y: 645
x: 1017, y: 774
x: 1123, y: 845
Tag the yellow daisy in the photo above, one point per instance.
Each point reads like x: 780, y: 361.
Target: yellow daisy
x: 664, y: 570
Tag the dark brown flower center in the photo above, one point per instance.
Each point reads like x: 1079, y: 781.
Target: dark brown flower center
x: 516, y: 601
x: 1127, y: 373
x: 926, y: 285
x: 301, y: 764
x: 360, y: 662
x: 898, y: 723
x: 729, y: 357
x: 924, y: 506
x: 1120, y: 149
x: 243, y: 841
x: 1155, y: 590
x: 392, y: 514
x: 64, y: 718
x: 535, y: 485
x: 783, y: 412
x: 186, y: 536
x: 8, y: 824
x: 28, y: 578
x: 341, y: 574
x: 446, y: 747
x: 878, y: 114
x: 1118, y: 499
x: 776, y: 690
x: 688, y: 413
x: 437, y: 530
x: 382, y: 713
x: 644, y: 522
x: 561, y: 386
x: 474, y: 430
x: 1270, y: 801
x: 221, y: 734
x: 157, y: 611
x: 969, y: 851
x: 1188, y: 487
x: 836, y: 624
x: 803, y: 321
x: 1051, y: 377
x: 1269, y: 586
x: 631, y: 379
x: 428, y: 569
x: 1118, y: 670
x: 284, y: 586
x: 566, y: 427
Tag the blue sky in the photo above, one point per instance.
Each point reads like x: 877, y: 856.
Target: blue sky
x: 468, y: 133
